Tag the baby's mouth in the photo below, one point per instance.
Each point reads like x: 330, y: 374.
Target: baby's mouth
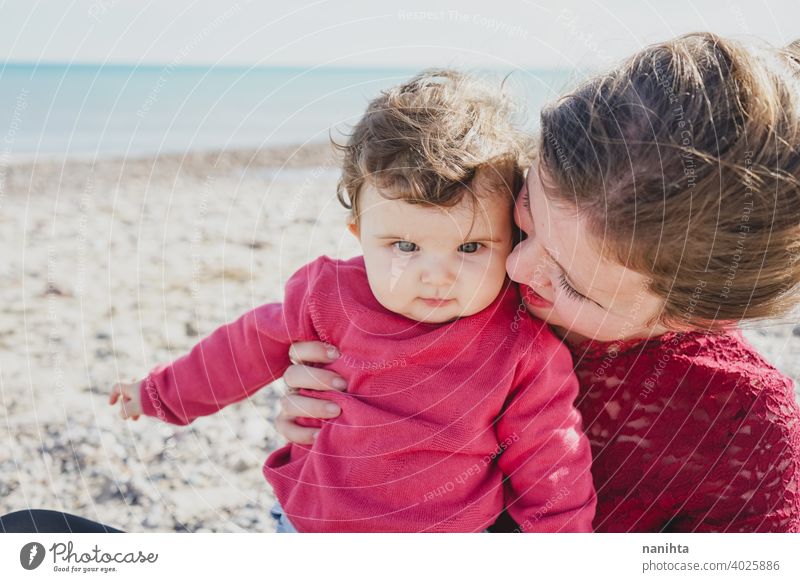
x: 434, y: 302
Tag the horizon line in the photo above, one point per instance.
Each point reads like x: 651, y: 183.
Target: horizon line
x: 241, y: 67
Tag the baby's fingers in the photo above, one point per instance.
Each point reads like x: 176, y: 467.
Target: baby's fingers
x: 131, y: 407
x: 116, y: 391
x: 123, y: 411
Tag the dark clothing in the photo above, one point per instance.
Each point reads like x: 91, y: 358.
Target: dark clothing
x: 47, y: 521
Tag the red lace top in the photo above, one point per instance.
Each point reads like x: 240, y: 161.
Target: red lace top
x: 690, y: 432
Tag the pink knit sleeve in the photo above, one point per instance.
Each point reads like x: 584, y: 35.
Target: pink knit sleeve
x: 546, y: 459
x: 234, y: 361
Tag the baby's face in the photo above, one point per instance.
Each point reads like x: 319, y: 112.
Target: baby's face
x: 436, y: 264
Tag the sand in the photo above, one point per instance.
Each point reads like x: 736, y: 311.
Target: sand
x: 110, y: 267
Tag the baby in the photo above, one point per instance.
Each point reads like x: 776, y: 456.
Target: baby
x: 458, y: 403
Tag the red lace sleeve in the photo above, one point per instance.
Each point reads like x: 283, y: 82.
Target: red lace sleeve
x: 691, y: 432
x: 746, y: 465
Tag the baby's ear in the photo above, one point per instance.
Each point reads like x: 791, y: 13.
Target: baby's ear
x: 353, y: 228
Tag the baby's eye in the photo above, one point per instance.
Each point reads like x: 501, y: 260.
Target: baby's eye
x: 405, y: 246
x: 470, y: 247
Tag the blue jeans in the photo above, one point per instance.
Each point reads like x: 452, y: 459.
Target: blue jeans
x: 282, y: 525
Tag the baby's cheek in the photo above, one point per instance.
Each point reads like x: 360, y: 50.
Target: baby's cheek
x: 497, y: 268
x: 487, y: 282
x: 379, y: 281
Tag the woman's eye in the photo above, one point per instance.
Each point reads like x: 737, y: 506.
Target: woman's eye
x: 470, y: 247
x: 405, y: 246
x: 526, y: 199
x: 569, y: 290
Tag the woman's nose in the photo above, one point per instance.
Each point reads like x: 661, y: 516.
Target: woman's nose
x: 527, y: 264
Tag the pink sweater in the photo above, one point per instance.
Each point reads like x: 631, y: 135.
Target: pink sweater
x: 441, y: 425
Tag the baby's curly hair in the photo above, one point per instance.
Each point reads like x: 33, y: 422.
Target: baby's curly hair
x: 424, y: 140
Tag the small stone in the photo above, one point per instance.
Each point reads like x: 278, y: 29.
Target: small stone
x: 106, y: 489
x: 53, y: 289
x: 240, y: 465
x: 190, y: 329
x: 155, y: 518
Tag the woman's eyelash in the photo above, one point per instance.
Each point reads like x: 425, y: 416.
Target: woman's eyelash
x: 526, y: 200
x: 569, y: 290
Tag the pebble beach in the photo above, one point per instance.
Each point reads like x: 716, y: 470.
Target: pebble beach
x: 111, y: 267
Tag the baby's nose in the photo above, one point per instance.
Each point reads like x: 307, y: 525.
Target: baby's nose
x: 437, y: 274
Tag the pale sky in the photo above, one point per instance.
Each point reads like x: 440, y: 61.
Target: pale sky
x: 507, y: 34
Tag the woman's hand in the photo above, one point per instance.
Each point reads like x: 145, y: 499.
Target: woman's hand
x: 298, y: 375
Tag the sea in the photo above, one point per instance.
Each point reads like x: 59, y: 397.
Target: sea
x: 85, y: 110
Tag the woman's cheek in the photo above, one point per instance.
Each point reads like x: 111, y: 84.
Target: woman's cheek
x: 576, y: 316
x: 564, y: 307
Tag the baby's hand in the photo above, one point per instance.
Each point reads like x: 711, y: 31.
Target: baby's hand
x: 131, y: 402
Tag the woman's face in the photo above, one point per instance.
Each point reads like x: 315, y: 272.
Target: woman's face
x: 567, y: 283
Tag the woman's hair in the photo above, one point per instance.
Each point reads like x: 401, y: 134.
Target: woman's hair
x: 685, y: 163
x: 423, y: 141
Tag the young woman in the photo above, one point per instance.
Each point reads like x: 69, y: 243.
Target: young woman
x: 663, y: 209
